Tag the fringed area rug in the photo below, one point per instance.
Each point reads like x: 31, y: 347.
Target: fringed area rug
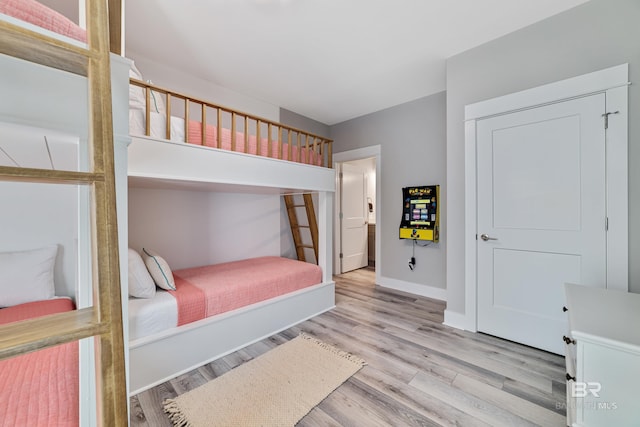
x: 277, y: 388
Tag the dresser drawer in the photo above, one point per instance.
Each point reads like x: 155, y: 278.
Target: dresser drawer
x: 605, y: 357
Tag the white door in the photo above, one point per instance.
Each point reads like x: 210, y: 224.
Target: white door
x: 354, y: 218
x: 541, y: 217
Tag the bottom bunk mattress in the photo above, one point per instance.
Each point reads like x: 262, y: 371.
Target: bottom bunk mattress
x: 40, y: 388
x: 214, y: 289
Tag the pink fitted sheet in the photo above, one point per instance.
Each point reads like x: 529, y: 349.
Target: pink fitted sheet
x: 214, y: 289
x: 40, y: 388
x: 301, y: 155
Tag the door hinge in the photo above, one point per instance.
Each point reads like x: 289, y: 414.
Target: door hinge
x: 606, y: 118
x: 340, y: 255
x: 606, y: 224
x: 340, y: 215
x: 340, y: 175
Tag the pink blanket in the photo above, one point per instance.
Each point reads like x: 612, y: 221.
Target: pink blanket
x: 301, y: 155
x: 214, y: 289
x: 38, y: 14
x: 39, y: 388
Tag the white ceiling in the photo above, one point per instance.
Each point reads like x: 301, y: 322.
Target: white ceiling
x: 330, y: 60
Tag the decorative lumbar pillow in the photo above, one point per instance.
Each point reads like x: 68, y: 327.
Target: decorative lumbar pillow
x: 141, y: 285
x: 159, y: 270
x: 27, y: 275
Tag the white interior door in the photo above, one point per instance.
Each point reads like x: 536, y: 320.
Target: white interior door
x: 542, y: 213
x: 354, y: 218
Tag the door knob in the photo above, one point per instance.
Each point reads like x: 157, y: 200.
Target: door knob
x: 486, y: 237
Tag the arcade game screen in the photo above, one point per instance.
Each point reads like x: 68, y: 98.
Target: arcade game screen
x: 420, y: 215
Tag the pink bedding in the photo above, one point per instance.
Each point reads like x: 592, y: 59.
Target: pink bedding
x: 206, y: 291
x: 40, y: 388
x: 38, y: 14
x: 301, y: 155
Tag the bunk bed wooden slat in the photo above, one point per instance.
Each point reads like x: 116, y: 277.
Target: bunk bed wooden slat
x: 269, y: 138
x: 246, y: 134
x: 168, y: 122
x: 187, y: 101
x: 204, y: 124
x: 258, y: 138
x: 233, y: 131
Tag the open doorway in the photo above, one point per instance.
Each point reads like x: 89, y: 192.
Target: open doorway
x: 357, y: 218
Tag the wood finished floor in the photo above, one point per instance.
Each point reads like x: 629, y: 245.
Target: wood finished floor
x: 419, y: 372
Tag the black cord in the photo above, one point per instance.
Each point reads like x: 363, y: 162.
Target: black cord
x: 412, y: 261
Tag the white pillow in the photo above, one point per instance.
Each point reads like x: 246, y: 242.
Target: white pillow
x: 159, y: 270
x: 137, y: 98
x: 27, y: 276
x: 137, y: 95
x: 141, y: 284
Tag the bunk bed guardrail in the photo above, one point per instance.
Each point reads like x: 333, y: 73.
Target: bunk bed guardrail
x: 244, y: 132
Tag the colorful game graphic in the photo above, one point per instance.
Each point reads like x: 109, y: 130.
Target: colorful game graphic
x: 420, y: 215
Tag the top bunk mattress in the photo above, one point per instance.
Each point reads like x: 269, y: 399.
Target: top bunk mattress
x: 215, y: 289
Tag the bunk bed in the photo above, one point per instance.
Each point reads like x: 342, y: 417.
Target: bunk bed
x: 47, y: 88
x: 239, y: 153
x: 180, y: 141
x: 205, y: 147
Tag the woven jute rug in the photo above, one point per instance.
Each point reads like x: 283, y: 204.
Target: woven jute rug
x: 277, y: 388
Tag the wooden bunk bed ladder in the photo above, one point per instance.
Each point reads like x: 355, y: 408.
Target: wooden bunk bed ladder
x: 311, y: 224
x: 103, y: 320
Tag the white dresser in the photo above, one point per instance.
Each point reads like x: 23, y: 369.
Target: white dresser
x: 603, y: 357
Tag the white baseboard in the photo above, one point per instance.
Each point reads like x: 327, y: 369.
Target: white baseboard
x: 456, y: 320
x: 413, y: 288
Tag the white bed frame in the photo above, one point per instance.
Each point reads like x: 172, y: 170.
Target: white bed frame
x: 149, y: 163
x: 158, y: 358
x: 174, y: 165
x: 144, y: 162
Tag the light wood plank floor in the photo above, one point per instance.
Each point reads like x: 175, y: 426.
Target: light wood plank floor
x: 419, y: 371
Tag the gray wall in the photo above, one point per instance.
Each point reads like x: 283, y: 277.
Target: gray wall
x: 413, y: 140
x: 590, y: 37
x: 298, y: 121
